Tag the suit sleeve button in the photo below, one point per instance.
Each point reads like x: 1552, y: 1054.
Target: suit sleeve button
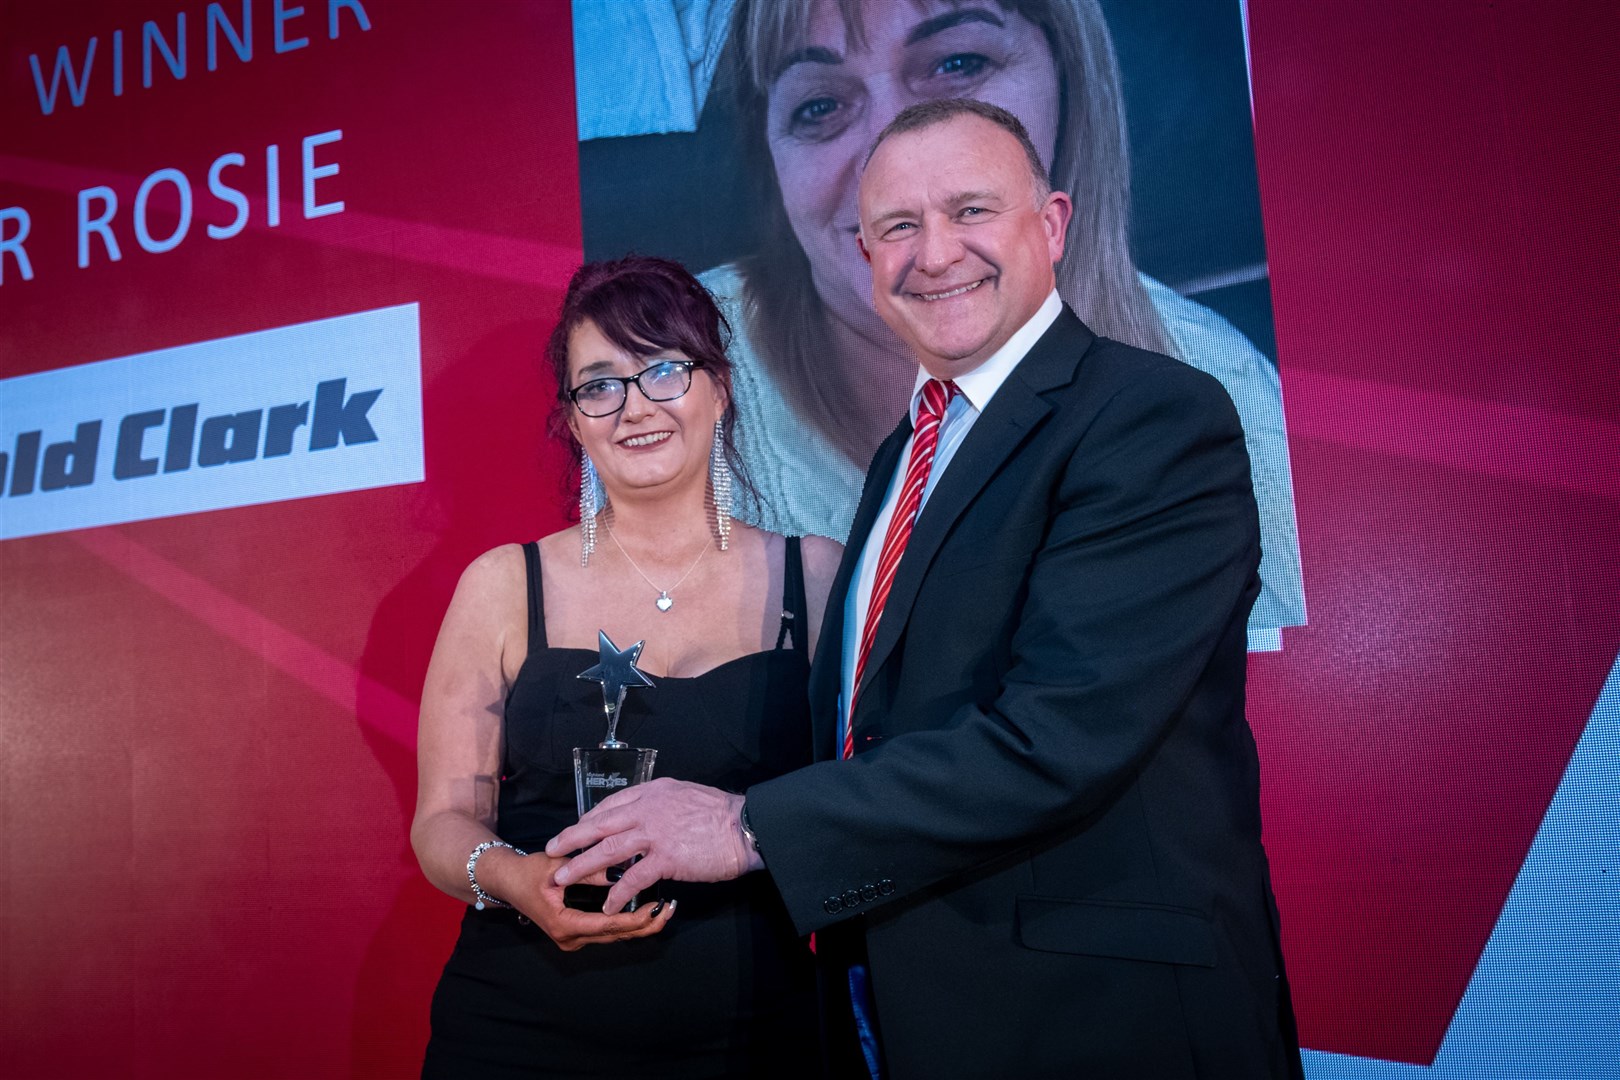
x: 832, y: 905
x: 869, y: 893
x: 886, y: 886
x: 851, y: 898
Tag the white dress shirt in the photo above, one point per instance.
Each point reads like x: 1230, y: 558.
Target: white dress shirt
x: 975, y: 389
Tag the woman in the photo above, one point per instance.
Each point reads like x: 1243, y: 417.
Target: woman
x: 710, y: 981
x: 820, y: 379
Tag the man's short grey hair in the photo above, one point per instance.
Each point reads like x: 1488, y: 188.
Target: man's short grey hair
x: 925, y: 114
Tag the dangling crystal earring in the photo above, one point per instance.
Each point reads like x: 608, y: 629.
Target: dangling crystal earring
x: 720, y: 484
x: 590, y: 505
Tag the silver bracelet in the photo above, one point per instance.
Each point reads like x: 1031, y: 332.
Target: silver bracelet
x: 484, y: 899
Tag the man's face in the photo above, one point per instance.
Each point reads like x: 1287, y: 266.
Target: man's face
x: 961, y: 252
x: 828, y: 104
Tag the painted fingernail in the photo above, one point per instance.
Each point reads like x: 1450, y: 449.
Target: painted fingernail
x: 658, y: 907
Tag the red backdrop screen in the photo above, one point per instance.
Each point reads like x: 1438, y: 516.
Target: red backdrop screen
x: 274, y: 283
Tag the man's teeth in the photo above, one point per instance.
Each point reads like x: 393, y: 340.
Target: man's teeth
x: 647, y: 440
x: 931, y: 297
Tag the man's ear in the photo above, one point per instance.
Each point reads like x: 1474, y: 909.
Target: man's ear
x: 1055, y: 215
x: 860, y: 242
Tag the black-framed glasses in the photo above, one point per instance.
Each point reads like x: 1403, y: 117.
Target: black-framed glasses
x: 605, y: 395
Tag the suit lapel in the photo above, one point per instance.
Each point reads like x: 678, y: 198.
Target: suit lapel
x: 1016, y: 410
x: 826, y: 674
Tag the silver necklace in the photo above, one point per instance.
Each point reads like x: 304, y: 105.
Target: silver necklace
x: 664, y: 601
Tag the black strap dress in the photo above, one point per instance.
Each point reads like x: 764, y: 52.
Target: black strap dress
x: 727, y: 989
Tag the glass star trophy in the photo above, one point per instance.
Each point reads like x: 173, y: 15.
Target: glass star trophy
x: 612, y: 766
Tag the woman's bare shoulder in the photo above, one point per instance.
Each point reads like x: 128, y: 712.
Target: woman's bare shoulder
x: 493, y: 570
x: 490, y: 595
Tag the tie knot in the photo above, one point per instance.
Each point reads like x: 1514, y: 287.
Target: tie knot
x: 936, y: 396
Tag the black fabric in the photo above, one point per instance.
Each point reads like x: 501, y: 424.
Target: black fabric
x: 728, y: 988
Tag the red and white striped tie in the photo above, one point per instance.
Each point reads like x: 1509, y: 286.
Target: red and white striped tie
x: 936, y: 397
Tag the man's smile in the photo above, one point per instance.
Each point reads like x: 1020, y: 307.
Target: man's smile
x: 949, y: 293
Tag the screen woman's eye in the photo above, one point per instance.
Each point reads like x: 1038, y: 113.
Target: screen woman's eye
x: 813, y: 112
x: 962, y: 65
x: 820, y: 118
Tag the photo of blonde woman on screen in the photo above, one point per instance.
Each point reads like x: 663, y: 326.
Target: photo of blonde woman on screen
x: 802, y: 87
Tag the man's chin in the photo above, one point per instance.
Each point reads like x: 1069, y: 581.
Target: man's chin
x: 948, y: 361
x: 961, y: 346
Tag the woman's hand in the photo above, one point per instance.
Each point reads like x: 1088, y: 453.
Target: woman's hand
x: 530, y: 886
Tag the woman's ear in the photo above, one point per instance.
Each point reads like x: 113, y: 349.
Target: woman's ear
x: 722, y: 400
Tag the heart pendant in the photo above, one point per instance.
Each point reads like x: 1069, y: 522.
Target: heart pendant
x: 664, y: 602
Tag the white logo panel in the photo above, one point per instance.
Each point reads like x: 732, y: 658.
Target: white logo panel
x: 311, y: 409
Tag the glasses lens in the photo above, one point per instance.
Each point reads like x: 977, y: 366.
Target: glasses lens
x: 666, y: 381
x: 599, y: 397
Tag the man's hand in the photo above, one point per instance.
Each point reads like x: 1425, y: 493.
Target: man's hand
x: 682, y: 831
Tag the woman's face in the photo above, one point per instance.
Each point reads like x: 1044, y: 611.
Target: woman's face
x: 647, y: 444
x: 831, y: 100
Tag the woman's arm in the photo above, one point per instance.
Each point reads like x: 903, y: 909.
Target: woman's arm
x: 480, y: 646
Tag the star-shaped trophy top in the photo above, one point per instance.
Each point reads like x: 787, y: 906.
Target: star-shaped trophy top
x: 617, y: 672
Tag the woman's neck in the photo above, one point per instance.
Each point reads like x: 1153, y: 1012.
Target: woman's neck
x: 656, y: 524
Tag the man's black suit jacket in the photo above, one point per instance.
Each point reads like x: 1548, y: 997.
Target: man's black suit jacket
x: 1050, y: 833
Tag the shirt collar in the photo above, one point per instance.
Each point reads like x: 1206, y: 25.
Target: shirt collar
x: 980, y: 385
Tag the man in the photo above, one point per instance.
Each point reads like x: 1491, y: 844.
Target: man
x: 1037, y: 844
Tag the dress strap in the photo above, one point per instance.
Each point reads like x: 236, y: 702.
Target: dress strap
x: 794, y: 608
x: 537, y: 599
